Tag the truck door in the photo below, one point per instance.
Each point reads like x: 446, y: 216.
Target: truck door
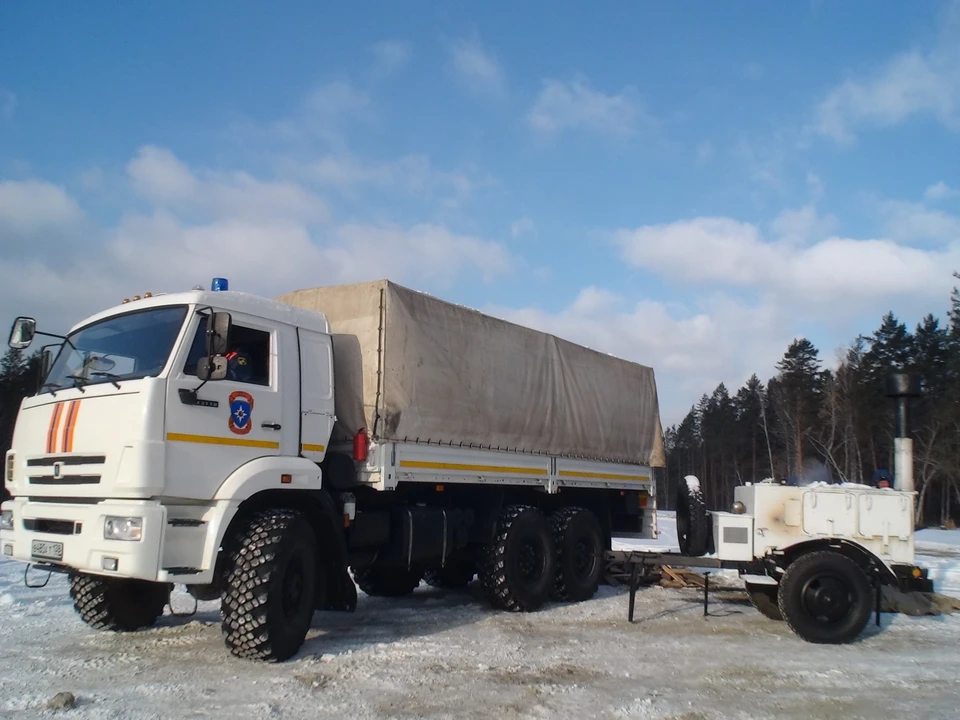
x: 316, y: 393
x: 236, y: 419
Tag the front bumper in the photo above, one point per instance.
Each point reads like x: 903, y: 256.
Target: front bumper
x: 77, y: 532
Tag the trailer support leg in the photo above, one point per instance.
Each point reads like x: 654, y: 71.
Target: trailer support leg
x: 634, y: 581
x: 706, y: 591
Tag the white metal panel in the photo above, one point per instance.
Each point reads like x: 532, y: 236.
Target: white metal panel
x: 829, y: 513
x: 733, y: 536
x: 585, y: 473
x: 886, y: 516
x: 316, y: 394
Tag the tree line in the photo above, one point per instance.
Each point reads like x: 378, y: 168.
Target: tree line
x: 19, y: 377
x: 809, y: 423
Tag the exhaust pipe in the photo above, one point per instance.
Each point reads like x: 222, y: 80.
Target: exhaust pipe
x: 901, y: 387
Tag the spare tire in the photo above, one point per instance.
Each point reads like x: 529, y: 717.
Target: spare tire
x: 693, y: 520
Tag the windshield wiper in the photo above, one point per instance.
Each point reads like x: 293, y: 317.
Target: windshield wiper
x: 54, y: 387
x: 79, y: 382
x: 110, y: 376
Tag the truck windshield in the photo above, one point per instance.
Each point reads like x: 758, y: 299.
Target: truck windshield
x: 124, y: 347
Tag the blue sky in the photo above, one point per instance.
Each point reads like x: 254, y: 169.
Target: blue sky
x: 690, y: 185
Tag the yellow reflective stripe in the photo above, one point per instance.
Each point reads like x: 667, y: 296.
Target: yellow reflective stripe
x: 478, y: 468
x: 602, y: 476
x: 312, y: 448
x: 216, y: 440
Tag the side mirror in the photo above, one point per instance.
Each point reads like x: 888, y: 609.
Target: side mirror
x: 218, y: 333
x: 22, y: 333
x: 212, y: 368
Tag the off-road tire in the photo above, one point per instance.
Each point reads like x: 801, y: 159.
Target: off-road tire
x: 386, y: 581
x: 519, y: 566
x: 578, y: 538
x: 693, y: 521
x: 763, y: 596
x: 455, y: 576
x: 825, y: 597
x: 270, y: 585
x: 118, y: 604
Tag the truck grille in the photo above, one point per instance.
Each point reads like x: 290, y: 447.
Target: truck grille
x: 65, y: 480
x: 53, y: 527
x: 50, y: 461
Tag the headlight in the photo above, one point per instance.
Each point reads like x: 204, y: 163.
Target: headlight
x: 10, y: 463
x: 6, y: 520
x: 123, y: 528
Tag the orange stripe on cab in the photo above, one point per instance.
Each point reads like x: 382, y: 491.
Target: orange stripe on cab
x: 71, y: 424
x: 54, y: 427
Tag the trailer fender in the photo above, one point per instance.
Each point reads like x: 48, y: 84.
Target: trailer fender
x: 851, y: 549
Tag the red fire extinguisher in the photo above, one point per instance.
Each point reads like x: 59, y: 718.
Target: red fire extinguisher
x: 360, y: 445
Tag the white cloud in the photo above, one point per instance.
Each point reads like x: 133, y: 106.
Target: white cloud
x: 8, y: 104
x: 802, y: 224
x: 832, y: 273
x: 940, y: 191
x: 202, y: 224
x: 413, y: 174
x: 909, y: 221
x: 576, y: 105
x: 390, y: 55
x: 919, y: 81
x: 815, y: 186
x: 33, y: 211
x: 166, y: 181
x: 477, y: 68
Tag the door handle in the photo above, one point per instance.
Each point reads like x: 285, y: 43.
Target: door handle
x: 270, y: 426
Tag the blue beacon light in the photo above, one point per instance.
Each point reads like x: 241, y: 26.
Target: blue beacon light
x: 219, y: 284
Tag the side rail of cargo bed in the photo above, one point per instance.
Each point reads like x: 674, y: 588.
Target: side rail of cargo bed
x: 391, y: 463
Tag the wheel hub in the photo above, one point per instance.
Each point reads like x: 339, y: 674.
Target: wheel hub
x: 292, y: 587
x: 531, y: 561
x: 583, y: 558
x: 827, y: 599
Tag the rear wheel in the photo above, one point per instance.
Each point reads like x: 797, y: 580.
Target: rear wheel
x: 825, y: 597
x: 519, y: 566
x: 764, y: 598
x: 118, y: 604
x: 579, y: 541
x: 271, y: 583
x: 693, y: 521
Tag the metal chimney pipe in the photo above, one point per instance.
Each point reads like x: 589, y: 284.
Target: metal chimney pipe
x: 901, y: 387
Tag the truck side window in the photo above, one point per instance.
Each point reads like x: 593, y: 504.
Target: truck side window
x: 248, y: 356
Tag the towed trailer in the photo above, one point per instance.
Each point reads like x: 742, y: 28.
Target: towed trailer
x: 816, y: 556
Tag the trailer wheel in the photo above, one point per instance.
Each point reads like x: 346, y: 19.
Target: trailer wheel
x: 117, y: 604
x: 579, y: 541
x: 693, y: 521
x: 825, y: 597
x: 519, y: 566
x: 763, y: 596
x: 454, y: 576
x: 270, y: 586
x: 385, y: 581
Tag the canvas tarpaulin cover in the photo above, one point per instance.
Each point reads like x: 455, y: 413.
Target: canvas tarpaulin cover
x: 411, y: 367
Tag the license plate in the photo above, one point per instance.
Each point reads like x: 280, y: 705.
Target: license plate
x: 42, y: 549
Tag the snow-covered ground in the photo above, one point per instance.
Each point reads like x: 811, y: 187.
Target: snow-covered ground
x: 444, y: 654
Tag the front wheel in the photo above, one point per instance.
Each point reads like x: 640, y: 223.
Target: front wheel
x: 825, y: 597
x: 118, y: 604
x: 270, y: 586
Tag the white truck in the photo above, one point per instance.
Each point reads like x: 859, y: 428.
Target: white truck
x: 260, y: 450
